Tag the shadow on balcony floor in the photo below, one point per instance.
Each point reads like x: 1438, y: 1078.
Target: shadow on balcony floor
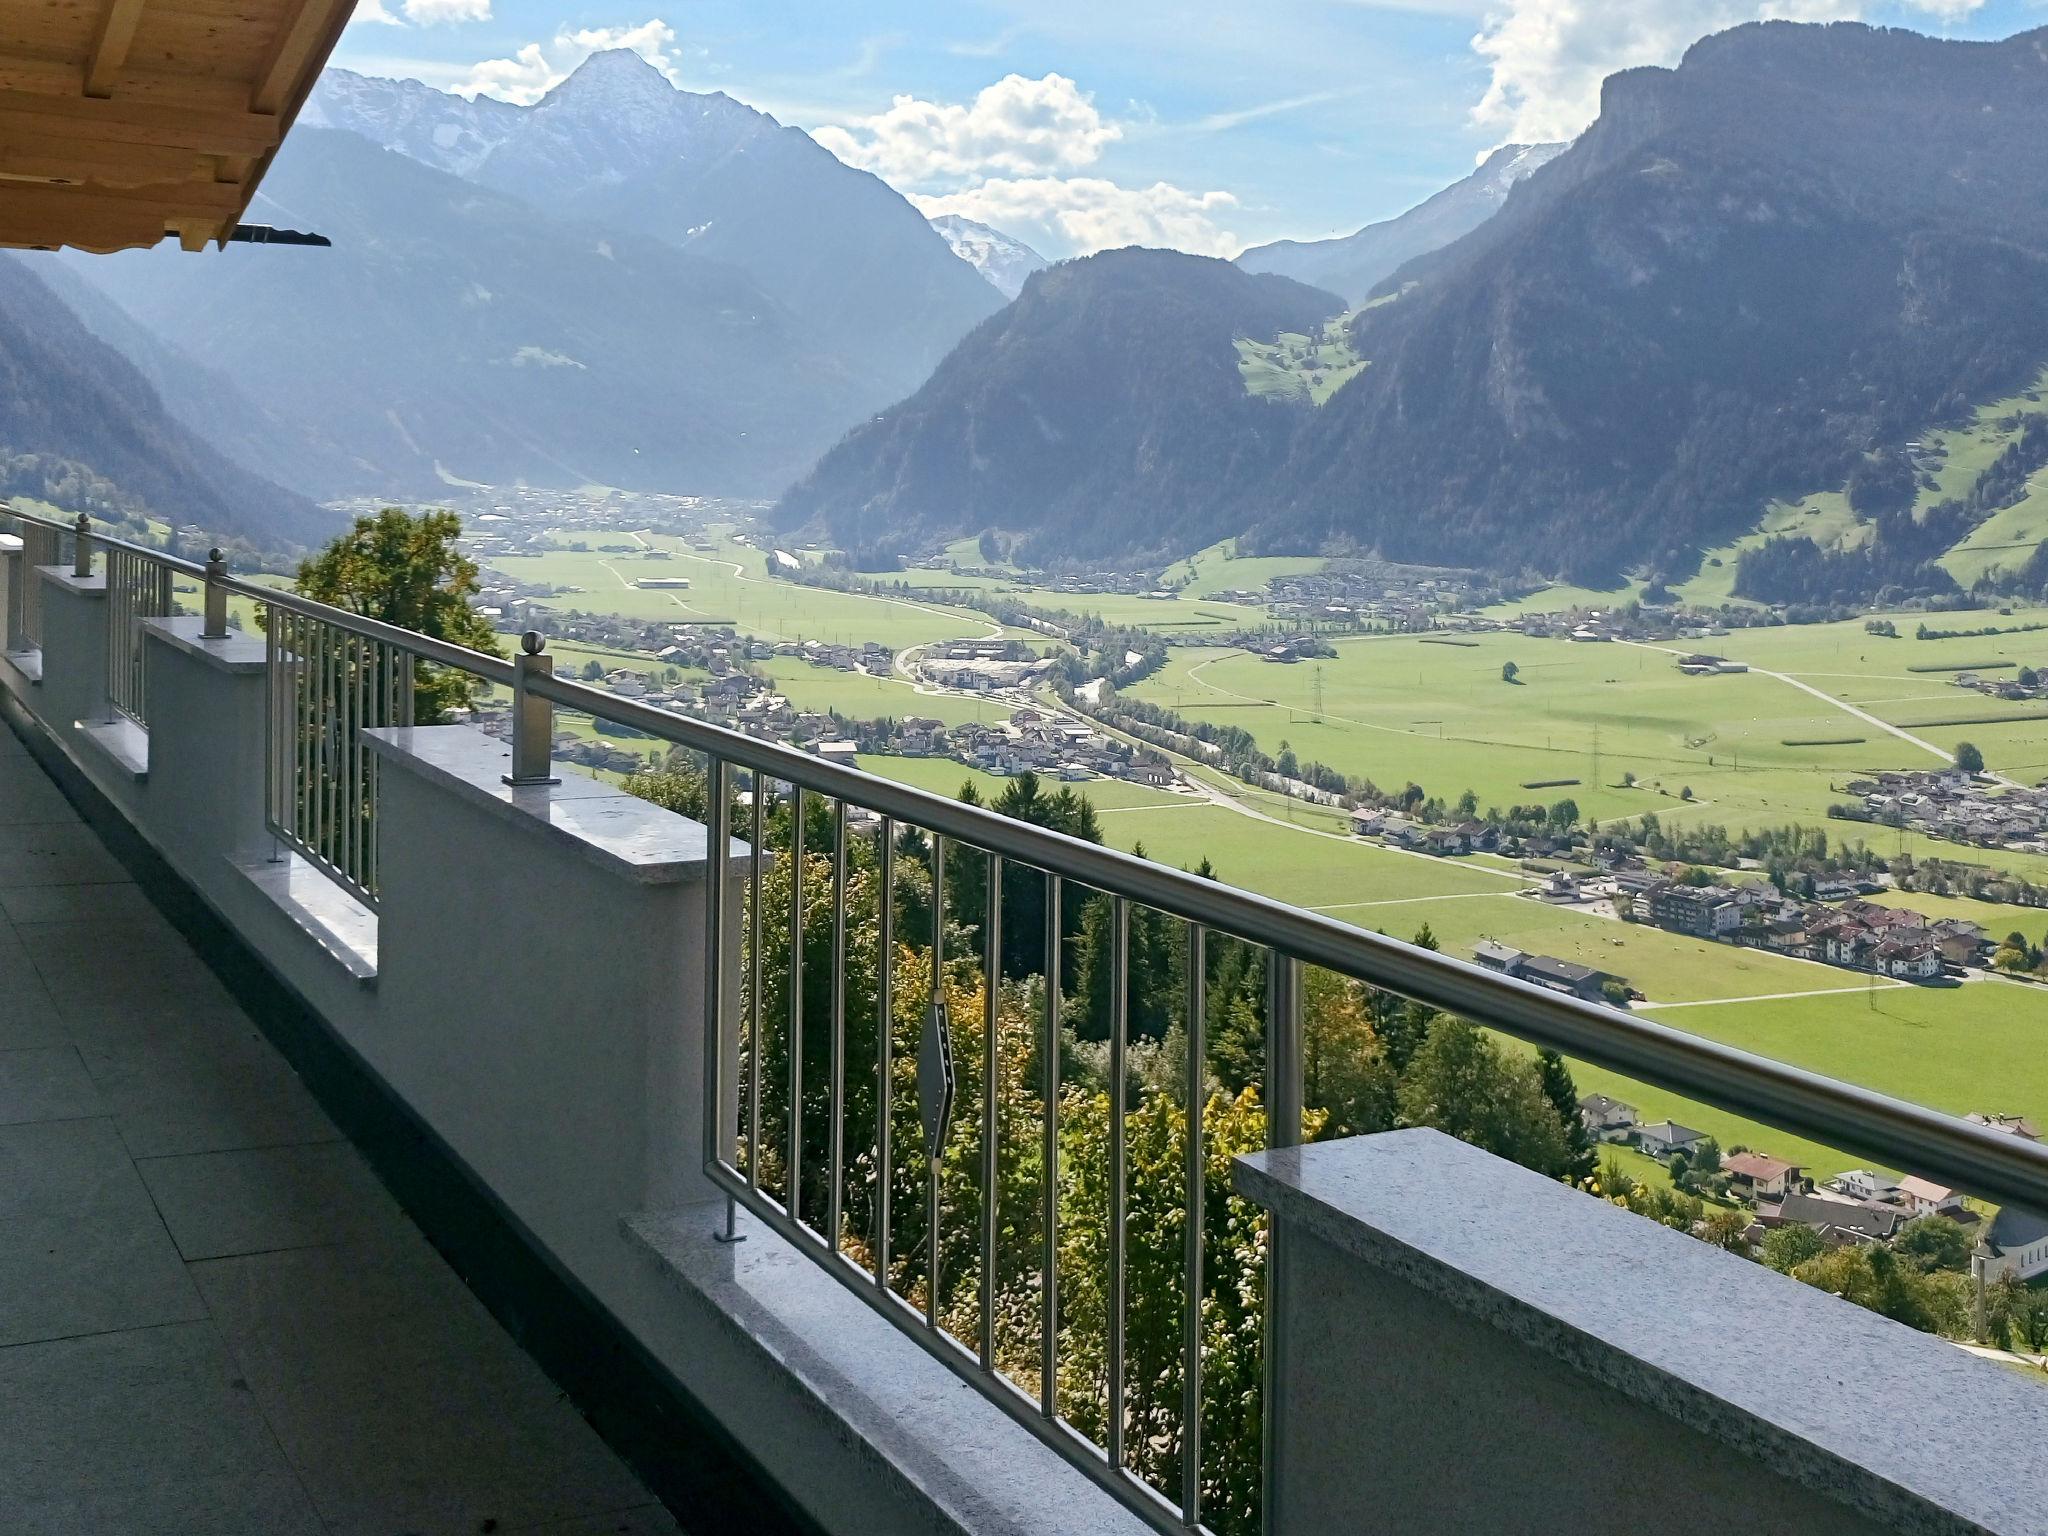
x: 213, y: 1318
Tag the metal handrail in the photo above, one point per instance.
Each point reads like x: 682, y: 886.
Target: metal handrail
x: 492, y: 669
x: 1900, y: 1134
x: 1984, y: 1162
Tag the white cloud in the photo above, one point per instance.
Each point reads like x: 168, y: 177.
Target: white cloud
x: 538, y: 68
x: 372, y: 13
x: 1548, y: 57
x: 1086, y: 213
x: 429, y: 12
x: 1016, y: 126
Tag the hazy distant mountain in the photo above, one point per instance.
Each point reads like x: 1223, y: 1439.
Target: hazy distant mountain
x: 244, y: 426
x: 455, y: 329
x: 1003, y: 259
x: 1356, y: 264
x: 1802, y: 244
x: 1106, y: 394
x: 617, y: 145
x: 80, y: 426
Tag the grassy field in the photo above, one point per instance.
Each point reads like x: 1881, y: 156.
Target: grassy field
x: 1825, y: 519
x: 1668, y: 967
x: 1401, y: 709
x: 731, y: 586
x: 1562, y: 595
x: 1221, y: 568
x: 1298, y: 367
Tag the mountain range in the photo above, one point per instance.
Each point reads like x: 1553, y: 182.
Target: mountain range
x: 623, y: 284
x: 1800, y: 245
x: 1003, y: 259
x: 82, y: 427
x: 1354, y: 265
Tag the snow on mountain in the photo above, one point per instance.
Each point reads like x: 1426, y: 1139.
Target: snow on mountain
x: 618, y: 146
x: 1003, y: 259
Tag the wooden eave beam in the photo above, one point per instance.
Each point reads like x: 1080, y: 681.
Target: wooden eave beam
x: 127, y: 122
x: 50, y: 158
x: 283, y: 76
x: 205, y: 202
x: 110, y: 44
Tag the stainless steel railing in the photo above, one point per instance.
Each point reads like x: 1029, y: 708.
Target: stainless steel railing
x: 41, y: 544
x: 138, y: 588
x: 1049, y: 1240
x: 328, y: 685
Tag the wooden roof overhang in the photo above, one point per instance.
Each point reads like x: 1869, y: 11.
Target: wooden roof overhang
x: 126, y: 121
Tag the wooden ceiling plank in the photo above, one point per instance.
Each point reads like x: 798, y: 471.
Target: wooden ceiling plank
x: 206, y: 201
x: 125, y: 122
x: 110, y: 45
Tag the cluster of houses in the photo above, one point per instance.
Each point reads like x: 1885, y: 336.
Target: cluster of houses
x: 2024, y: 684
x: 1855, y: 1207
x: 1861, y: 935
x: 1052, y: 746
x: 1953, y: 805
x: 1392, y: 596
x: 1448, y: 839
x: 982, y: 666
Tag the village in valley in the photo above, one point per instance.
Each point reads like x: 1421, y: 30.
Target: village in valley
x: 1691, y: 811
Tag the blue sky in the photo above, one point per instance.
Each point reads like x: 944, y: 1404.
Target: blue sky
x: 1075, y: 124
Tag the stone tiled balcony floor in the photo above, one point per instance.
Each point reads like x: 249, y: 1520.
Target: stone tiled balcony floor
x: 213, y: 1319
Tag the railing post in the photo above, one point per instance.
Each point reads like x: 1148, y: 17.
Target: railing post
x: 216, y: 624
x: 533, y: 717
x: 81, y: 554
x: 1283, y: 1051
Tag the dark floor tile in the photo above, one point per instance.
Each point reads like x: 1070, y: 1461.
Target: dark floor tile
x: 222, y: 1203
x: 150, y: 1430
x: 46, y: 1083
x: 82, y: 1249
x: 215, y: 1091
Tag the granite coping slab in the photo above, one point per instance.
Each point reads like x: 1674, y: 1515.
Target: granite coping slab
x: 237, y: 651
x: 94, y: 585
x: 622, y: 832
x: 1908, y: 1429
x: 876, y: 1391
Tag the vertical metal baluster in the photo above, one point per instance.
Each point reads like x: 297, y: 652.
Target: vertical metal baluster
x: 991, y: 1065
x: 1119, y: 1026
x: 754, y: 996
x: 716, y: 862
x: 351, y: 766
x: 302, y: 726
x: 117, y: 692
x: 796, y: 1002
x: 317, y: 635
x: 885, y: 1031
x: 935, y: 1152
x: 1283, y: 1051
x: 1049, y: 1281
x: 270, y: 675
x: 835, y: 1196
x: 718, y: 868
x: 1283, y: 1129
x: 1198, y: 1169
